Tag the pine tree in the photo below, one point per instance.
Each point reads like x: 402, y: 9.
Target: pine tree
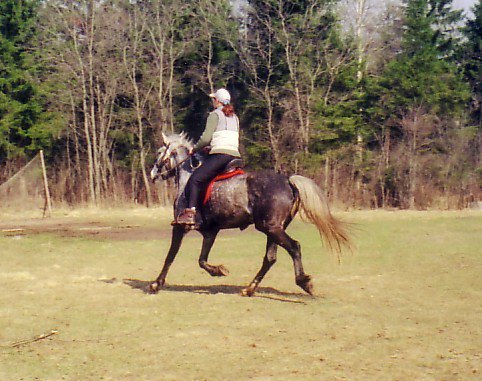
x: 307, y: 66
x: 422, y: 75
x: 471, y: 59
x: 418, y: 101
x: 21, y: 106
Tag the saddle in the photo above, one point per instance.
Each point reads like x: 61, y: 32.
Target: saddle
x: 233, y: 168
x: 236, y: 163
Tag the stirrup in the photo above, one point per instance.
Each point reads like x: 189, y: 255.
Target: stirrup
x: 187, y: 217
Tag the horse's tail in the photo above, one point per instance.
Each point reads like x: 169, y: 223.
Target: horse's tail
x: 314, y: 208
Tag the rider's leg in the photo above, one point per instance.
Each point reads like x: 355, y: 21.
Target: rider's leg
x: 196, y: 183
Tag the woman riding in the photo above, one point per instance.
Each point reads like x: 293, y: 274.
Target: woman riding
x: 222, y: 134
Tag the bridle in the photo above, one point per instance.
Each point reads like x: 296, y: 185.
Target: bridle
x: 162, y: 159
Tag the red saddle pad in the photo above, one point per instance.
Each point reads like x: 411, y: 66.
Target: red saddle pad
x: 222, y: 176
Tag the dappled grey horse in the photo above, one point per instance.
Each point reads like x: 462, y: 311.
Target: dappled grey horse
x: 266, y: 199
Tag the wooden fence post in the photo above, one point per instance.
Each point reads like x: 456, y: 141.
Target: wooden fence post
x: 46, y: 185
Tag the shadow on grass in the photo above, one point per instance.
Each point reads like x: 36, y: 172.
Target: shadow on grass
x: 262, y: 292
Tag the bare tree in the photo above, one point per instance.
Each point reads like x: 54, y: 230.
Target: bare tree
x: 312, y: 60
x: 167, y: 29
x: 83, y: 38
x: 255, y: 48
x: 211, y: 31
x: 139, y: 79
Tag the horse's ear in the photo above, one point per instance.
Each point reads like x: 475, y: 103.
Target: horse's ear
x: 182, y: 138
x: 165, y: 140
x: 185, y: 138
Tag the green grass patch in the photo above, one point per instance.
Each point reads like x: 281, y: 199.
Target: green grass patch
x: 404, y: 306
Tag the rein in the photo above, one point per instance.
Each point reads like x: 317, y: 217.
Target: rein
x: 175, y: 167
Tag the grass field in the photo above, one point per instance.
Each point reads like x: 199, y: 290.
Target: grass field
x: 405, y: 306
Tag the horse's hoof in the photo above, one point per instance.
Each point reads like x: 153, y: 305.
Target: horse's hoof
x: 222, y: 271
x: 216, y: 270
x: 154, y: 288
x: 305, y: 283
x: 309, y: 288
x: 247, y: 292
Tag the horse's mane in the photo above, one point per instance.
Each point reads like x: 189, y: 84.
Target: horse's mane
x: 181, y: 139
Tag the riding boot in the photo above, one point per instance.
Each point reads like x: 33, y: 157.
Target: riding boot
x: 187, y: 217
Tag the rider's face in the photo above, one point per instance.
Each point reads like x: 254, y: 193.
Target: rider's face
x: 216, y: 103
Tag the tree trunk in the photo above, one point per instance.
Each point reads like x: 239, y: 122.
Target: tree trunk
x: 327, y: 177
x: 272, y: 137
x: 90, y: 150
x: 413, y: 163
x: 131, y: 65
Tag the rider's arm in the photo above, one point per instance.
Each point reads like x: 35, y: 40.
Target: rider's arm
x: 207, y: 135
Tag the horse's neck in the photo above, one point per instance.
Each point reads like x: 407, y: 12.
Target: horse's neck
x: 185, y: 171
x: 182, y: 177
x: 183, y: 174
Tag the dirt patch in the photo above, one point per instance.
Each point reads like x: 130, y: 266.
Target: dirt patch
x: 70, y: 227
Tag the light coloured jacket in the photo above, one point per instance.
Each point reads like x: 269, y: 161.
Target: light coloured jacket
x: 221, y: 133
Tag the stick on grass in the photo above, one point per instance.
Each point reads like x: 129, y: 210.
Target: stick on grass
x: 29, y: 341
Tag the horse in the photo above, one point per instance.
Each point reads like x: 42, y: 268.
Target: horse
x: 267, y: 199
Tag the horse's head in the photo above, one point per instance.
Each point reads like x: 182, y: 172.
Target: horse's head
x: 173, y: 152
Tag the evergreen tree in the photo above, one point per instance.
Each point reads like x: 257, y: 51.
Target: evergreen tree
x: 22, y: 114
x: 305, y: 69
x: 422, y: 76
x: 418, y: 101
x: 471, y: 59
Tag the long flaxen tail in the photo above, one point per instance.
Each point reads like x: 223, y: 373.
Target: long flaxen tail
x: 315, y: 209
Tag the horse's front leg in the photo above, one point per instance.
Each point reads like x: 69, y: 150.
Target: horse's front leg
x: 178, y: 233
x: 209, y: 236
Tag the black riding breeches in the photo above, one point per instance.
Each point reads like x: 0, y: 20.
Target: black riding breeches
x: 210, y: 167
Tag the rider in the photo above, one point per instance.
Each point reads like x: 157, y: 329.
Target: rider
x: 222, y: 134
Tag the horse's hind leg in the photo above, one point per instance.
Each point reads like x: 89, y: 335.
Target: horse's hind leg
x: 178, y: 233
x: 209, y: 236
x: 268, y: 261
x: 293, y: 248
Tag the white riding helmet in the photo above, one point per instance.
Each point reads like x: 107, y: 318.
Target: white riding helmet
x: 222, y: 95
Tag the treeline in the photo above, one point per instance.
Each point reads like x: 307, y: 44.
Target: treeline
x: 381, y: 105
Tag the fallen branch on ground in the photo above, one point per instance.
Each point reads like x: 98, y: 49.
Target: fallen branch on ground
x: 29, y: 341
